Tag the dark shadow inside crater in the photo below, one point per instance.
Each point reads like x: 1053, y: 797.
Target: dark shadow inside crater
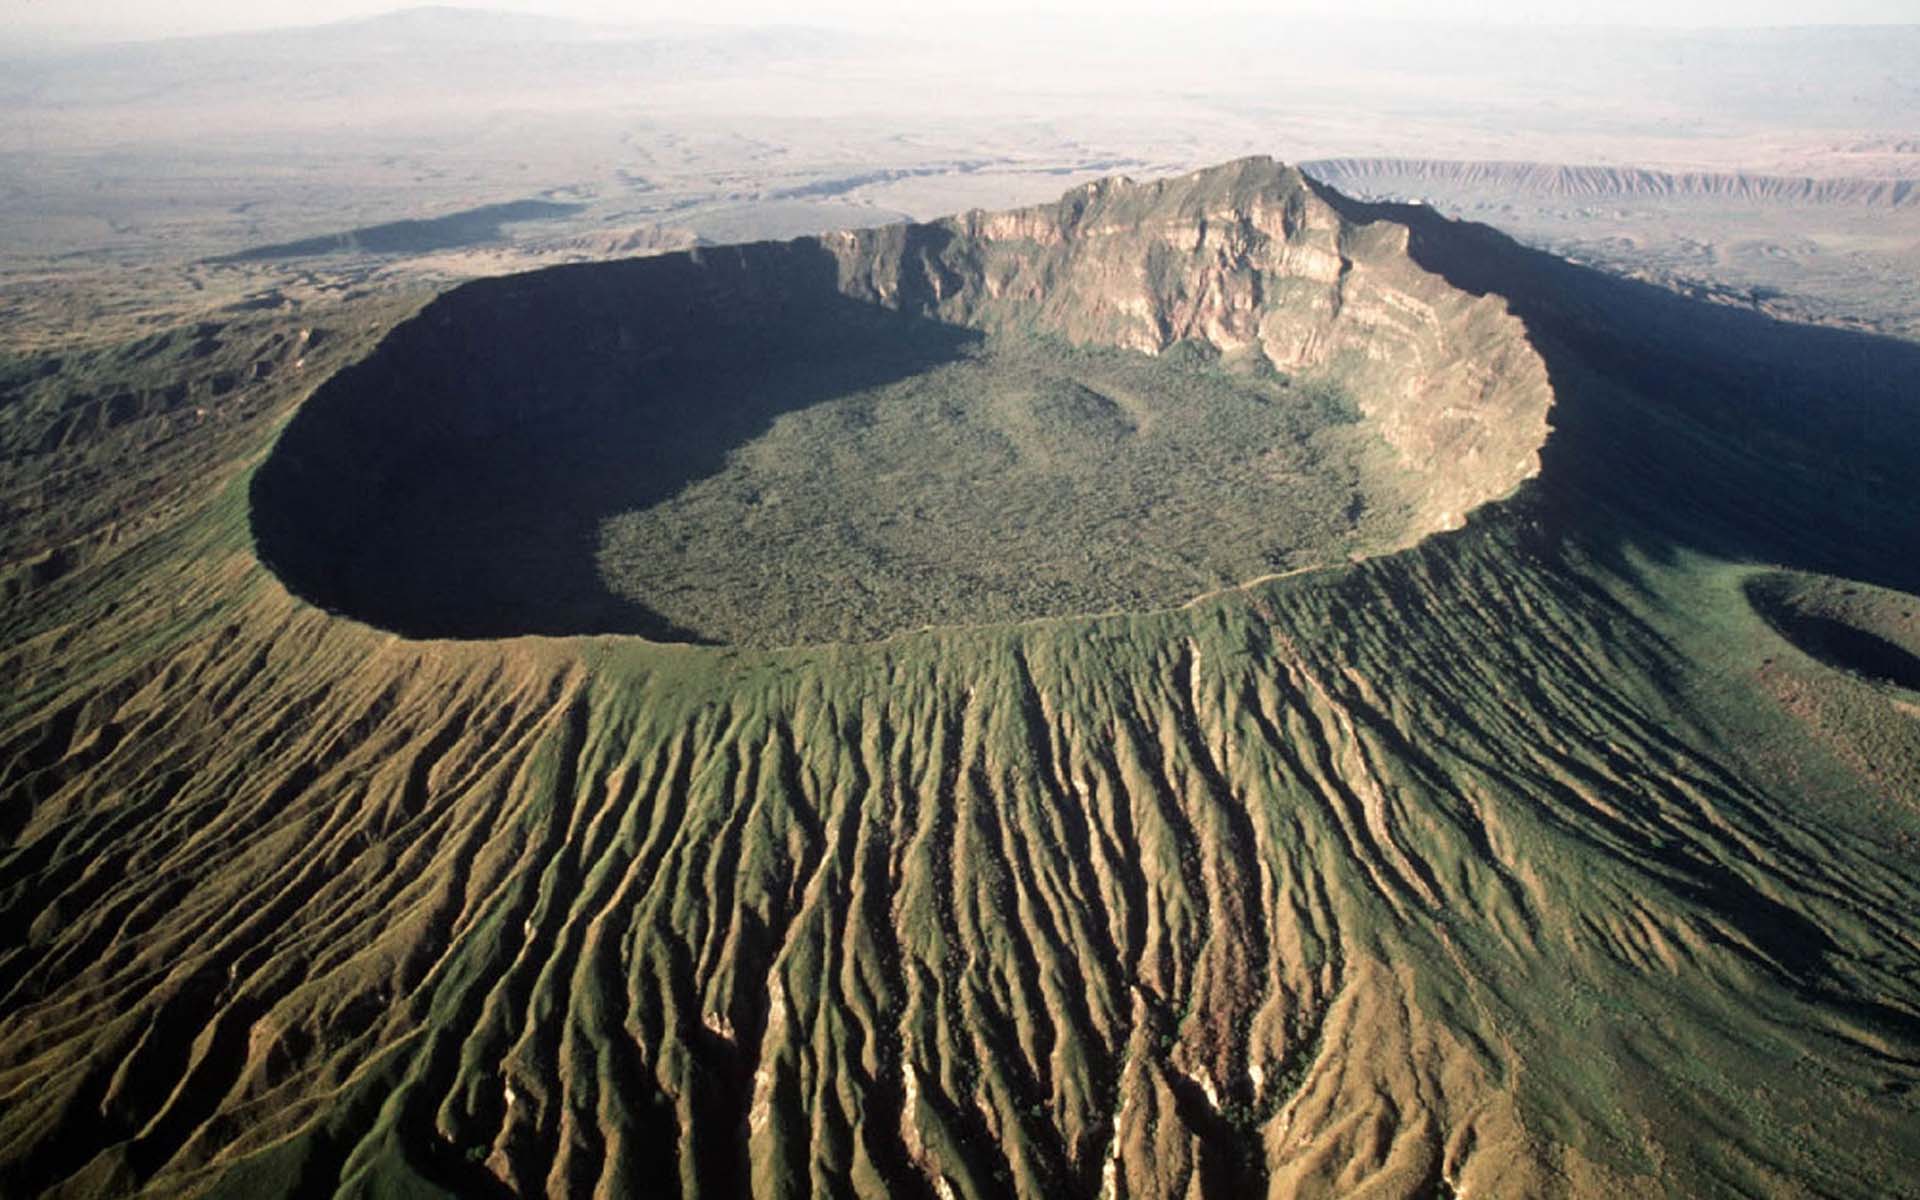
x: 453, y: 483
x: 1841, y: 645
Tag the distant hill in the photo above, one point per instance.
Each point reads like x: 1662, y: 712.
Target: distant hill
x: 1599, y: 183
x: 445, y: 50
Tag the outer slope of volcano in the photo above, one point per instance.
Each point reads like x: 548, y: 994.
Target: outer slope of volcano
x: 1555, y: 854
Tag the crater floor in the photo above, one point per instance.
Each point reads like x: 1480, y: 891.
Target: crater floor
x: 1024, y: 478
x: 814, y: 498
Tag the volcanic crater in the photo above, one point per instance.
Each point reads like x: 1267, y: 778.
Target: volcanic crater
x: 1568, y: 854
x: 1139, y: 394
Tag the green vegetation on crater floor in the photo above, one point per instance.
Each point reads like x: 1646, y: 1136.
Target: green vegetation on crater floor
x: 1026, y: 478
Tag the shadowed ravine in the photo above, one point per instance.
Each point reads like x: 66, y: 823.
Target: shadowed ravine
x: 1513, y: 863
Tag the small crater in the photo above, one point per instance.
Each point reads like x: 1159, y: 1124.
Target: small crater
x: 1856, y: 628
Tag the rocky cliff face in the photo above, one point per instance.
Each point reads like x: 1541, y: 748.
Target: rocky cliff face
x: 1247, y: 258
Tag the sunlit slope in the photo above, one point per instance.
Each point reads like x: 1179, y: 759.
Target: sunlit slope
x: 1497, y: 866
x: 1404, y: 873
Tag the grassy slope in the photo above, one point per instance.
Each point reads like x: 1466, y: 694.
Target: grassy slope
x: 1472, y: 867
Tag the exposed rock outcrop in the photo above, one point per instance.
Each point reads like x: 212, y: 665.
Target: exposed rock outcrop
x: 1247, y: 258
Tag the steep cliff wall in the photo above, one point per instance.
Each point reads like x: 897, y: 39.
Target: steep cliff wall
x: 1246, y: 258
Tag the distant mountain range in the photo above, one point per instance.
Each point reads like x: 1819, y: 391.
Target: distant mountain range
x: 439, y: 49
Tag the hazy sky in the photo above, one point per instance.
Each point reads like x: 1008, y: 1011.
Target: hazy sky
x: 139, y: 18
